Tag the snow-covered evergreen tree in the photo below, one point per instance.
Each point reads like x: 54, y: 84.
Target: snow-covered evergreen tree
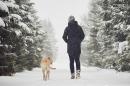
x: 92, y: 24
x: 7, y: 57
x: 21, y: 35
x: 110, y: 18
x: 49, y: 43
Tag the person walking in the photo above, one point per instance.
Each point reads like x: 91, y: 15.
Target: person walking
x: 73, y: 36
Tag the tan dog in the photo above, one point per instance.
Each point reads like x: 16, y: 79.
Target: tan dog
x: 45, y: 65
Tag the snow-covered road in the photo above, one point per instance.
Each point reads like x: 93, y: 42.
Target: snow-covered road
x: 90, y: 76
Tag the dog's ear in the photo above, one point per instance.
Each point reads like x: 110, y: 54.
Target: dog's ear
x: 51, y: 61
x: 49, y: 58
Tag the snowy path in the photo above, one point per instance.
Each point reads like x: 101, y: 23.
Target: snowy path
x: 91, y: 76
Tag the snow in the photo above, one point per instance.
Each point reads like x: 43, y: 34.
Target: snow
x: 128, y: 27
x: 18, y: 32
x: 11, y: 54
x: 30, y: 39
x: 117, y: 26
x: 11, y: 5
x: 1, y: 45
x: 30, y: 17
x: 2, y: 24
x: 3, y: 7
x: 122, y: 46
x: 5, y: 45
x: 120, y: 26
x: 11, y: 1
x: 23, y: 12
x: 121, y: 13
x: 25, y: 27
x: 15, y: 16
x: 24, y: 6
x: 115, y: 46
x: 90, y: 76
x: 41, y: 32
x: 39, y: 49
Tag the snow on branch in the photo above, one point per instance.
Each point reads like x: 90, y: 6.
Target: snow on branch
x: 2, y: 24
x: 122, y: 46
x: 29, y: 39
x: 23, y: 12
x: 18, y: 32
x: 11, y: 5
x: 3, y: 9
x: 16, y: 16
x: 128, y: 27
x: 30, y: 17
x: 25, y: 27
x: 13, y: 1
x: 41, y: 32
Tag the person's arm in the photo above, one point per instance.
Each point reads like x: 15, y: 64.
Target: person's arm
x: 81, y: 34
x: 65, y: 35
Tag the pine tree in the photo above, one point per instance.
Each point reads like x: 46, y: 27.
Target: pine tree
x: 7, y: 56
x: 93, y: 25
x: 28, y: 56
x: 21, y: 38
x: 113, y: 28
x: 49, y: 43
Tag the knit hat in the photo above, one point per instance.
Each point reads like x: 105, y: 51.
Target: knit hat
x: 71, y: 18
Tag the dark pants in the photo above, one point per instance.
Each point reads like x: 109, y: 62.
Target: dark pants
x: 74, y: 58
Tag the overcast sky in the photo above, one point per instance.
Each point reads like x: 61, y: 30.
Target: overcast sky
x: 58, y: 11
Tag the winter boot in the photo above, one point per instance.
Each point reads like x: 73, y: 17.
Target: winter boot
x: 72, y: 76
x: 77, y: 74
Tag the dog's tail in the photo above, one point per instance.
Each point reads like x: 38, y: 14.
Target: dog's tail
x: 52, y: 68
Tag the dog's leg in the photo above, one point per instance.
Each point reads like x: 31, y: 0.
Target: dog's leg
x: 43, y: 74
x: 48, y: 74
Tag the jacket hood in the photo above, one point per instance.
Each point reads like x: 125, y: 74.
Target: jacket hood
x: 72, y: 23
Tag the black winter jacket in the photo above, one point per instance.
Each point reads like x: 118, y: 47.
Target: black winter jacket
x: 73, y: 36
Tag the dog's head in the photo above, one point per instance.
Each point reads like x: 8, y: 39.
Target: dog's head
x: 50, y: 59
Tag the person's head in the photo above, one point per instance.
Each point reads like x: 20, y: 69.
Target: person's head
x: 71, y: 18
